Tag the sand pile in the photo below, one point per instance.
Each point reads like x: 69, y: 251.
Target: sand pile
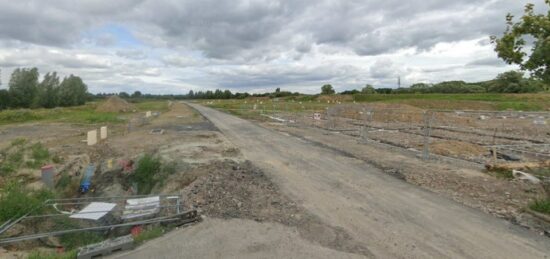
x: 115, y: 104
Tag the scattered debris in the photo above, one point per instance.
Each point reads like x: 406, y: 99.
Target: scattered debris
x: 157, y: 131
x: 525, y: 177
x: 86, y: 181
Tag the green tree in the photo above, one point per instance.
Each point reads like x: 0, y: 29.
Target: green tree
x: 4, y: 99
x: 368, y: 89
x: 510, y: 47
x: 327, y: 89
x: 47, y: 93
x: 136, y: 94
x: 218, y: 94
x: 124, y: 95
x: 72, y: 91
x: 227, y: 94
x: 420, y: 88
x: 514, y: 82
x: 23, y: 87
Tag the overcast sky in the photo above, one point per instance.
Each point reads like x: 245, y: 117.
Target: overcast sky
x: 173, y: 46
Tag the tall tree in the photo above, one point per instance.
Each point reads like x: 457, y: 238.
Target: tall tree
x: 136, y: 94
x: 368, y: 89
x: 124, y: 95
x: 72, y: 91
x: 327, y: 89
x: 4, y: 99
x: 47, y: 93
x: 514, y: 82
x: 23, y: 87
x: 510, y: 47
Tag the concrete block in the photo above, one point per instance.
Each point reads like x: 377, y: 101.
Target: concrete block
x: 48, y: 175
x: 148, y: 114
x: 106, y: 247
x: 92, y: 138
x: 103, y: 132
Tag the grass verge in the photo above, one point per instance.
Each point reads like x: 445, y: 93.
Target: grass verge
x: 542, y: 206
x: 149, y: 234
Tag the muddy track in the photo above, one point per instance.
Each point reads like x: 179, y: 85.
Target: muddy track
x: 388, y: 216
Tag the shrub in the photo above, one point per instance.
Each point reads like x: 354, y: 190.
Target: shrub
x: 40, y: 154
x: 145, y: 172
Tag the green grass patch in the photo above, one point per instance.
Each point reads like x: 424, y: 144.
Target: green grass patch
x: 16, y: 158
x: 53, y: 255
x: 502, y: 173
x: 478, y: 101
x: 160, y: 106
x: 542, y: 206
x: 7, y: 168
x: 23, y: 154
x: 40, y: 154
x: 524, y: 102
x: 15, y: 200
x: 149, y: 234
x: 18, y: 142
x: 81, y: 114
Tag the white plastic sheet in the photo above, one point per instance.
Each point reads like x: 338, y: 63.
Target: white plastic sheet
x: 141, y: 207
x: 94, y: 211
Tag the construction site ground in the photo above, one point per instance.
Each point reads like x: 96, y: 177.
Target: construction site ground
x: 271, y: 190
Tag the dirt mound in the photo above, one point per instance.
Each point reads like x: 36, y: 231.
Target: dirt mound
x: 115, y: 104
x: 457, y: 149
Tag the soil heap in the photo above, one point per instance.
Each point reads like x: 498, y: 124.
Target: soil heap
x: 115, y: 104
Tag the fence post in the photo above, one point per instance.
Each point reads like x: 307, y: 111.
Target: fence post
x: 427, y: 132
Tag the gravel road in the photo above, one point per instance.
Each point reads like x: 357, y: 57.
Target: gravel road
x: 388, y: 216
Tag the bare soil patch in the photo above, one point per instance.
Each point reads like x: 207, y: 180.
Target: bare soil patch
x: 240, y: 190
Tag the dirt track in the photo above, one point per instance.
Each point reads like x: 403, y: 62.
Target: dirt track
x: 390, y: 217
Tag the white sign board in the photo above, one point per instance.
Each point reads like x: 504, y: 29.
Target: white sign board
x: 103, y: 132
x: 92, y: 138
x: 94, y: 211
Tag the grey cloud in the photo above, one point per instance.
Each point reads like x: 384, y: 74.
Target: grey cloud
x: 233, y: 29
x: 491, y: 62
x: 131, y: 54
x: 246, y: 43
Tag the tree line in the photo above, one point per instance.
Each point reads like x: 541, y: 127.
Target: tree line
x: 508, y: 82
x: 209, y: 94
x: 25, y: 90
